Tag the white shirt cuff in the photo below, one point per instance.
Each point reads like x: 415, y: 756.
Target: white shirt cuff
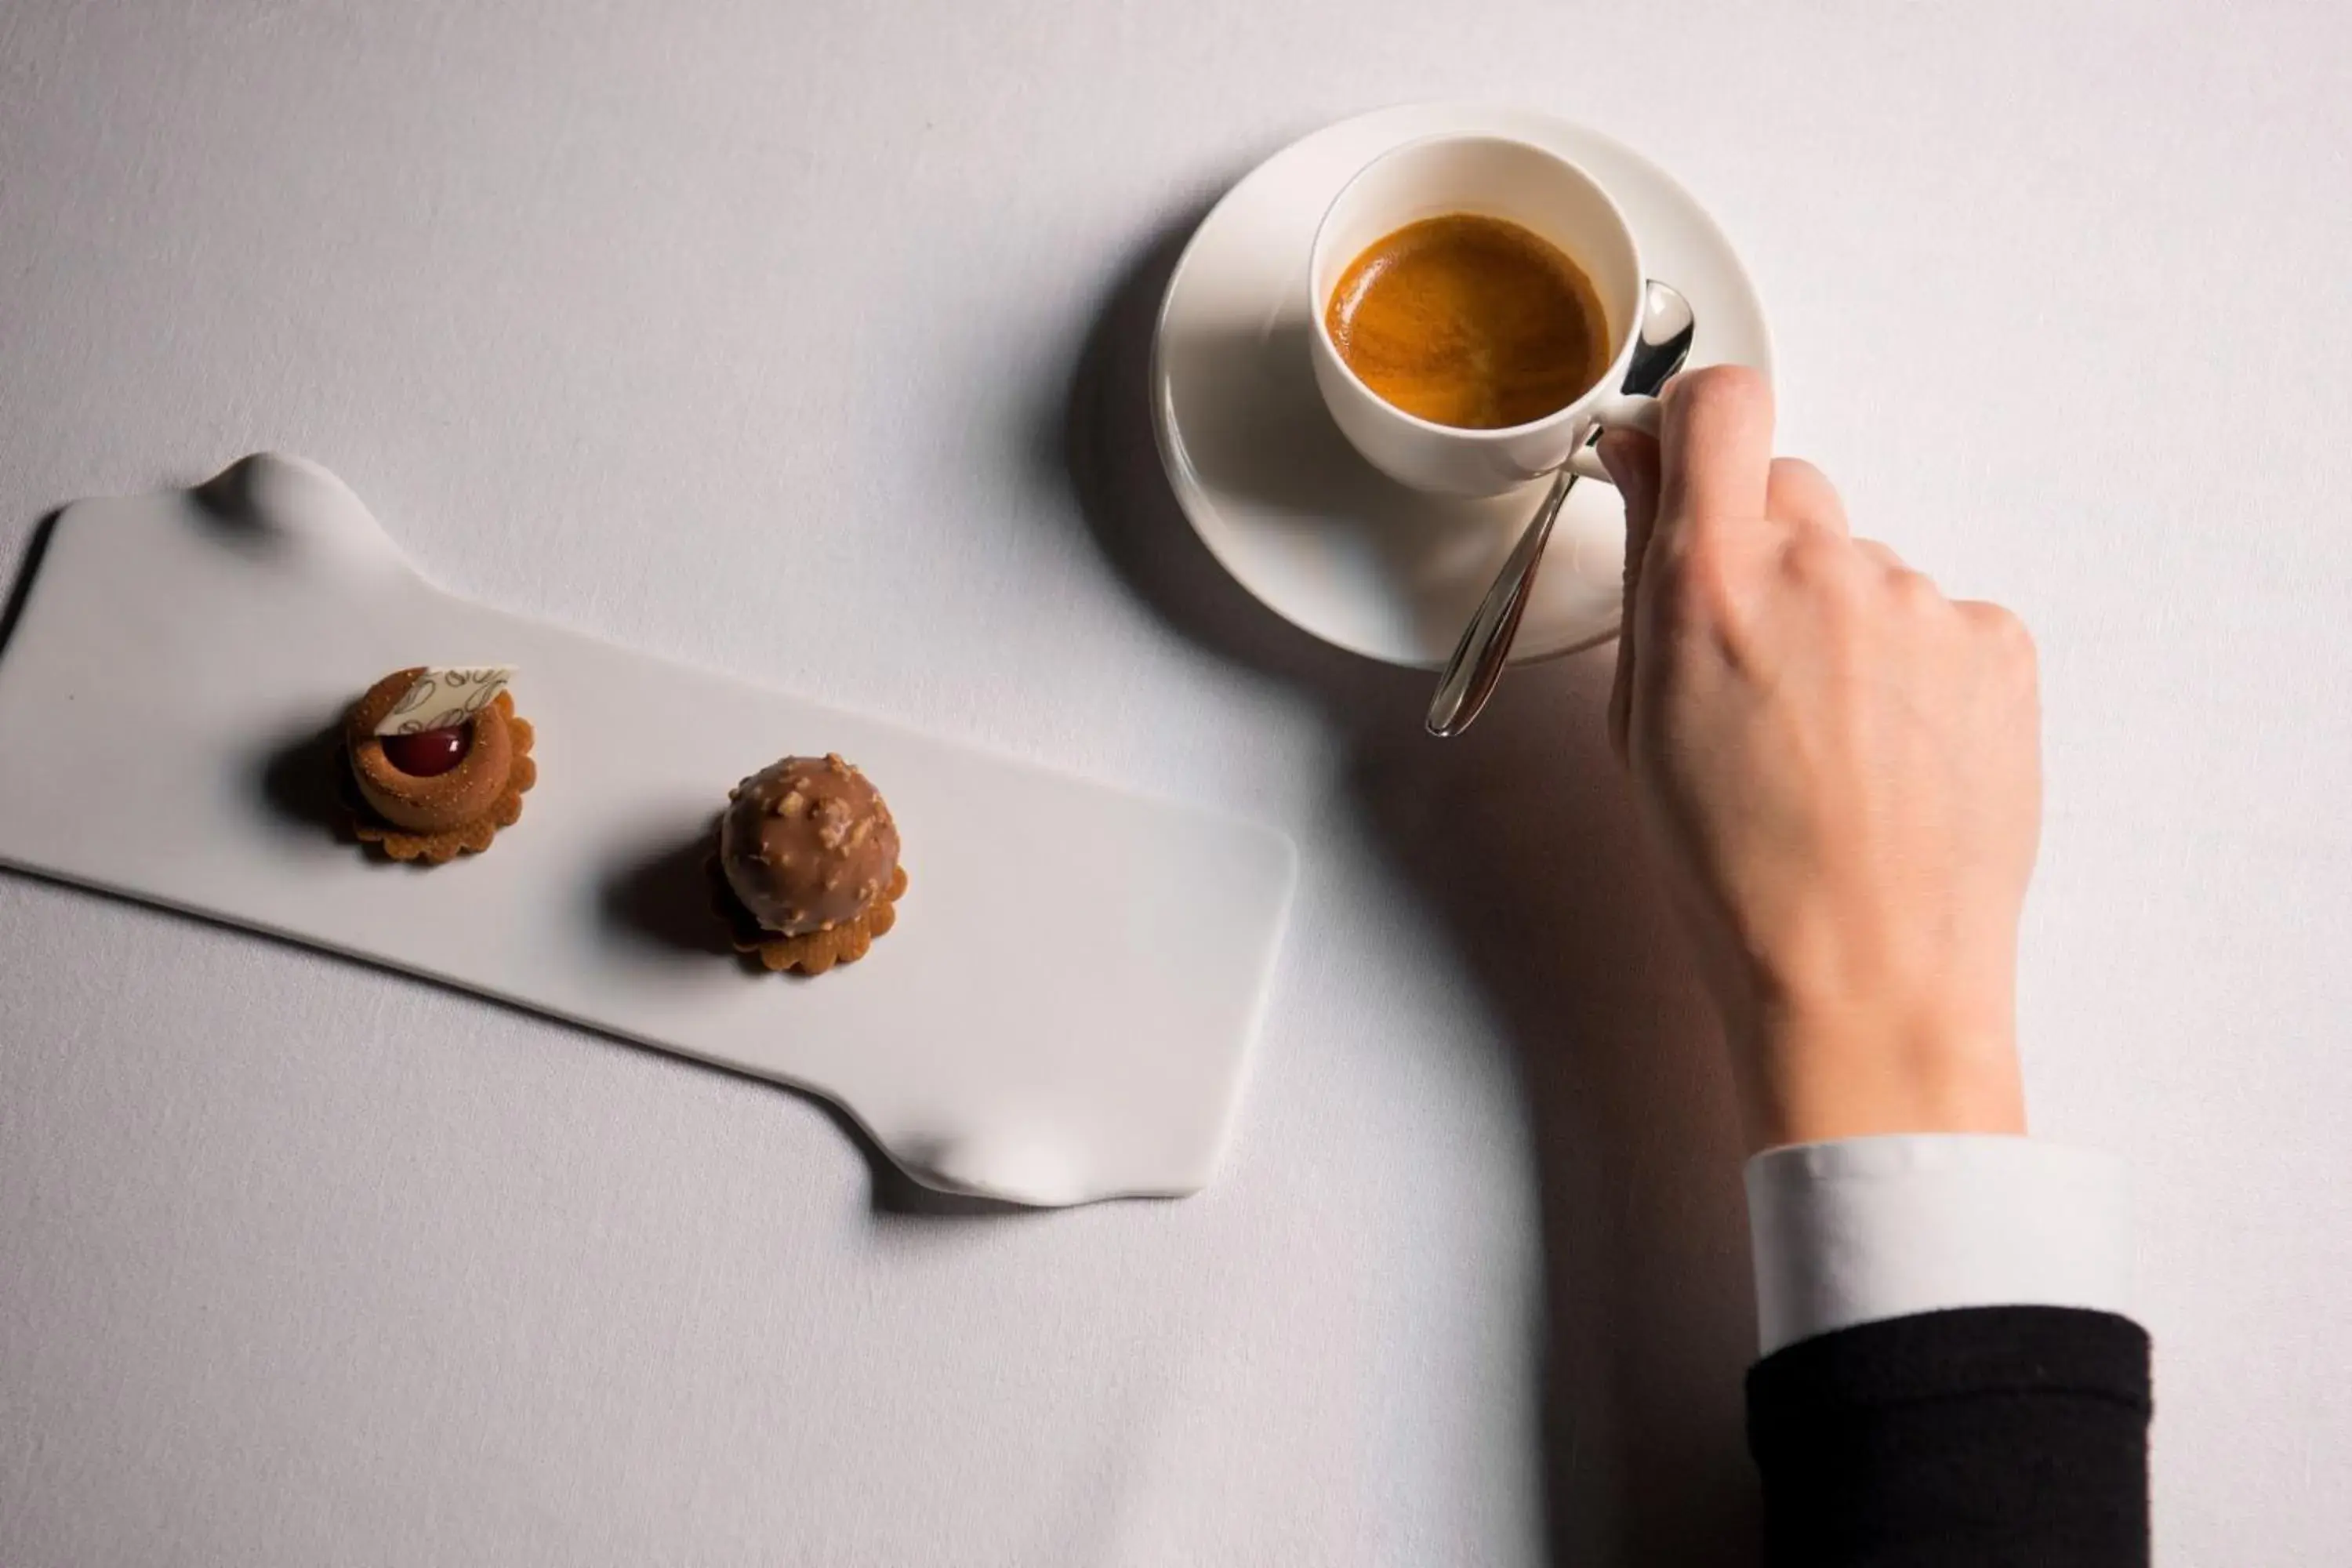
x: 1859, y: 1229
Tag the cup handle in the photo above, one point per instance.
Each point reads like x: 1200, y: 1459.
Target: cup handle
x: 1618, y: 411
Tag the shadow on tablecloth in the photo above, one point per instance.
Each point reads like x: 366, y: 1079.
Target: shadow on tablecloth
x: 1519, y: 841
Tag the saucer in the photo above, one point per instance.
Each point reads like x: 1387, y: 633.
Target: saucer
x: 1322, y: 538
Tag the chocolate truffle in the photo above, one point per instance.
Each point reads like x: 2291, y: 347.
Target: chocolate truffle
x: 808, y: 844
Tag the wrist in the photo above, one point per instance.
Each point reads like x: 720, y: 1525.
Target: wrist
x: 1819, y: 1071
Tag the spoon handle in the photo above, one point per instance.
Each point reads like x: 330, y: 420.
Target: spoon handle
x: 1476, y: 667
x: 1668, y: 327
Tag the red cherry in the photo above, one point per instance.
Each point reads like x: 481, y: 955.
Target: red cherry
x: 428, y: 752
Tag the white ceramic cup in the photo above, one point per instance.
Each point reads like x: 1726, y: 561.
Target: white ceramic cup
x: 1494, y: 177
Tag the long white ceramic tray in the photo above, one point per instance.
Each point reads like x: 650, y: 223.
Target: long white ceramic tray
x: 1062, y: 1014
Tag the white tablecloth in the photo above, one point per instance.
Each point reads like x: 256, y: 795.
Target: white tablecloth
x: 804, y: 342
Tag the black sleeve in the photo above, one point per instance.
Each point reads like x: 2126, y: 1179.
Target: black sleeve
x: 1986, y: 1436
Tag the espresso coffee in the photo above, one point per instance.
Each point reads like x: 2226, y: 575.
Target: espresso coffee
x: 1470, y: 322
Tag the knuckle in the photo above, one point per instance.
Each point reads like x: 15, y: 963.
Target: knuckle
x: 1880, y: 551
x: 2014, y: 640
x: 2001, y: 627
x: 1818, y: 561
x: 1913, y: 592
x: 2006, y: 650
x: 1815, y: 554
x: 1730, y: 388
x: 1700, y: 580
x: 1798, y: 474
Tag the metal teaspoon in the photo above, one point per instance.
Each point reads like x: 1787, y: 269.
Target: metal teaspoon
x: 1476, y: 667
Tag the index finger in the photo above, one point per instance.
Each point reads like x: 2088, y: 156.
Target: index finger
x: 1715, y: 448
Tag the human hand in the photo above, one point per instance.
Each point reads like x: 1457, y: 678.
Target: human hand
x: 1838, y: 772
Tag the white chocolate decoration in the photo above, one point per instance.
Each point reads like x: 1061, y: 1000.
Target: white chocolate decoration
x: 444, y: 699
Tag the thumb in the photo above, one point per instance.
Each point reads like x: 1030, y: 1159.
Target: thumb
x: 1631, y: 459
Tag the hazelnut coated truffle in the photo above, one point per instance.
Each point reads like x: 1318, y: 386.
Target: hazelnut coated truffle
x: 808, y: 844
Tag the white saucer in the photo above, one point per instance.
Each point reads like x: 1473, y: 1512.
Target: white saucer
x: 1323, y: 539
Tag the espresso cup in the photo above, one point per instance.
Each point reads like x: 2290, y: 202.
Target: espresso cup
x: 1492, y: 176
